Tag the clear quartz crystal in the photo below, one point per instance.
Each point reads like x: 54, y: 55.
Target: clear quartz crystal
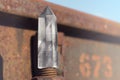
x: 47, y: 40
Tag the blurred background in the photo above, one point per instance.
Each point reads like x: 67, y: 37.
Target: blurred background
x: 104, y: 8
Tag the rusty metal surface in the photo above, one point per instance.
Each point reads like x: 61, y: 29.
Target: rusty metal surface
x: 86, y: 59
x: 49, y: 78
x: 15, y: 39
x: 60, y: 53
x: 66, y: 16
x: 15, y: 52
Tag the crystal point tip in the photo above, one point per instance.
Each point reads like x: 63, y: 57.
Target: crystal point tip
x: 47, y: 11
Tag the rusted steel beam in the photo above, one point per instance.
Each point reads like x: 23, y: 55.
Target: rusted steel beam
x: 15, y: 53
x: 66, y: 16
x: 87, y: 59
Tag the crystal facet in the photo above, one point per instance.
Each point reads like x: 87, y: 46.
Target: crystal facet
x: 47, y: 40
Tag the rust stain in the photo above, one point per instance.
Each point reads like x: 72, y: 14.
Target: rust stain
x: 15, y: 51
x: 16, y: 66
x: 19, y: 38
x: 15, y: 43
x: 49, y: 78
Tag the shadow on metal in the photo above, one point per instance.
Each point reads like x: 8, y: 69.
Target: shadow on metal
x: 1, y: 68
x: 34, y: 53
x: 17, y: 21
x: 12, y: 20
x: 86, y: 34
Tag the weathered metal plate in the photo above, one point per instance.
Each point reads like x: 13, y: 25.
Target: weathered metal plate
x: 16, y: 34
x: 91, y: 60
x: 65, y: 16
x: 15, y: 53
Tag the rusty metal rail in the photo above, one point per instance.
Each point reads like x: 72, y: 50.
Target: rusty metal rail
x: 66, y: 16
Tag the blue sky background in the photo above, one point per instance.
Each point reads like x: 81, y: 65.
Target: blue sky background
x: 109, y: 9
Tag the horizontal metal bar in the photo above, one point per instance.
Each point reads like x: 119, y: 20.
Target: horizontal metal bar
x: 65, y: 16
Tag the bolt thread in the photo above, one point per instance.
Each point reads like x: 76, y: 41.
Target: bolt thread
x: 48, y: 72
